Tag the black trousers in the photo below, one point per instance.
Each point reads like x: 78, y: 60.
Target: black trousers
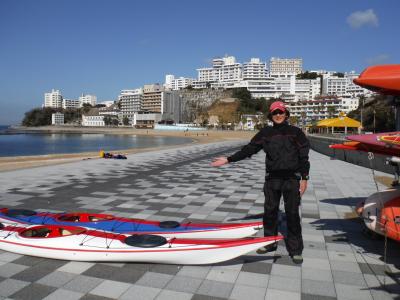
x: 273, y: 190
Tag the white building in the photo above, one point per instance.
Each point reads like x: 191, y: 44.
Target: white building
x: 284, y: 67
x: 317, y: 109
x: 53, y: 99
x: 107, y: 103
x: 112, y: 111
x: 151, y: 101
x: 343, y: 86
x: 92, y: 118
x: 255, y: 69
x: 131, y: 102
x: 354, y: 90
x: 70, y: 104
x: 349, y: 103
x: 174, y: 84
x: 146, y: 120
x: 248, y: 122
x: 87, y: 99
x: 334, y: 85
x: 226, y: 71
x: 57, y: 119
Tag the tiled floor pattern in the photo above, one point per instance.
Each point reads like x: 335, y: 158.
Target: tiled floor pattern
x: 340, y: 262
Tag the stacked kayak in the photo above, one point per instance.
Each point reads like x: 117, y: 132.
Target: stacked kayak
x: 133, y: 226
x: 380, y: 212
x: 59, y: 237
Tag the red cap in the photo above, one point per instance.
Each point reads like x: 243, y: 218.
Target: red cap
x: 277, y: 105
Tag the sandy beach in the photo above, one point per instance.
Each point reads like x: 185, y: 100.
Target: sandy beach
x: 201, y: 137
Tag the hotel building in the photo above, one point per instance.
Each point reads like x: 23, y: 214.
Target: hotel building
x: 131, y: 102
x: 285, y: 67
x: 151, y: 101
x: 53, y: 99
x: 87, y: 99
x: 70, y: 103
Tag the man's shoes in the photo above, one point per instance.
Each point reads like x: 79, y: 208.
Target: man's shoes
x: 297, y: 259
x: 268, y: 248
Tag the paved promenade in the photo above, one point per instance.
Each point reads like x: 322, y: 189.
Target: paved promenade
x: 339, y: 261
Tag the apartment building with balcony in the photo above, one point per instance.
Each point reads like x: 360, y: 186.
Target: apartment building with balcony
x: 57, y: 119
x: 53, y: 99
x: 175, y: 84
x: 70, y: 103
x: 131, y: 102
x: 285, y: 67
x: 152, y: 96
x: 87, y: 99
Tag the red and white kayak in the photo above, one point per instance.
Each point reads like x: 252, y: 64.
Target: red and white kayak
x: 370, y: 210
x: 81, y: 244
x: 390, y: 219
x: 129, y: 226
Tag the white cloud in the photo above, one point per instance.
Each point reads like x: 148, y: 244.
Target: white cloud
x: 377, y: 60
x: 361, y: 18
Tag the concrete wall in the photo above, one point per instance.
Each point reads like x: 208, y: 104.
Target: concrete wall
x: 321, y: 145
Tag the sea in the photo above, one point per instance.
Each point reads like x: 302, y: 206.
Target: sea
x: 24, y: 144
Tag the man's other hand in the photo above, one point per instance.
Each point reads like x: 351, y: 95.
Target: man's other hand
x: 303, y: 187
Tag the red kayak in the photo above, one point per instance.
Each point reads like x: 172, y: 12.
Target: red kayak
x: 384, y: 79
x: 390, y: 219
x: 377, y: 143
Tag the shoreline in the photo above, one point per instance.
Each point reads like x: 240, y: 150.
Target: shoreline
x: 11, y: 163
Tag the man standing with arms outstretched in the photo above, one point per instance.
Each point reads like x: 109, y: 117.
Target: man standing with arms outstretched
x: 287, y: 168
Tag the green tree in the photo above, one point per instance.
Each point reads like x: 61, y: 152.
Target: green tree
x: 38, y: 117
x: 378, y: 115
x: 71, y: 115
x: 125, y: 121
x: 339, y: 74
x: 115, y: 122
x: 86, y: 107
x: 307, y: 75
x: 332, y: 111
x: 107, y: 120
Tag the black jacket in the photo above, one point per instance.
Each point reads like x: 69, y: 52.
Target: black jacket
x: 286, y: 149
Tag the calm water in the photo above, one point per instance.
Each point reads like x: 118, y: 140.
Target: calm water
x: 40, y: 144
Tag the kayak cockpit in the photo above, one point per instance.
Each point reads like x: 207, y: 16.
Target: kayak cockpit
x: 50, y: 231
x: 84, y: 217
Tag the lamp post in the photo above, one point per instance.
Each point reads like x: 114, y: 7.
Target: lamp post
x: 361, y: 110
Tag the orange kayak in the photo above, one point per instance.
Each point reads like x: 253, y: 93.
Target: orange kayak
x: 384, y: 79
x: 390, y: 219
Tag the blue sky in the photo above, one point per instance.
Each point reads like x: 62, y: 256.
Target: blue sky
x: 100, y: 47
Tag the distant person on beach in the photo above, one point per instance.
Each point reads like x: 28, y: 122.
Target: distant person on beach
x: 287, y: 167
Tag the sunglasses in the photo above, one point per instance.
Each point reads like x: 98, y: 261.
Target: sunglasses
x: 277, y: 112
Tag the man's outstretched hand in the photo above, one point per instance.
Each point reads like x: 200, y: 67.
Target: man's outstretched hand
x: 219, y: 161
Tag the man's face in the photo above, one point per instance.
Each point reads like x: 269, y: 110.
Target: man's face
x: 278, y: 116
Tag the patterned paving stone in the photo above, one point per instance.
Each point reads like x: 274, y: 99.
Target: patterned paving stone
x: 316, y: 287
x: 273, y: 294
x: 82, y: 284
x: 110, y: 289
x: 63, y: 294
x: 167, y: 295
x: 240, y: 292
x: 215, y: 289
x: 11, y: 286
x: 33, y: 291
